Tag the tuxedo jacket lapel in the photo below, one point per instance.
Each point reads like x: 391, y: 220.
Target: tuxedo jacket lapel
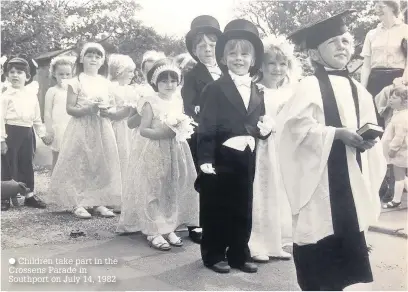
x: 203, y: 74
x: 255, y: 100
x: 231, y: 92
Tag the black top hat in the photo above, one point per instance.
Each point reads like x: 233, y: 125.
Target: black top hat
x: 240, y: 29
x: 201, y: 24
x: 313, y: 34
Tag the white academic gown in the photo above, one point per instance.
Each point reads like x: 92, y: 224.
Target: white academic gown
x: 304, y: 148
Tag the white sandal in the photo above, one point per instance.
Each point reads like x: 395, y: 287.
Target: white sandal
x: 174, y: 239
x: 104, y: 212
x: 158, y: 242
x: 81, y: 213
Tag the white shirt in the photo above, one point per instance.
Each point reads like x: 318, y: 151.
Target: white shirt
x: 20, y: 107
x: 383, y: 45
x: 243, y: 84
x: 215, y: 71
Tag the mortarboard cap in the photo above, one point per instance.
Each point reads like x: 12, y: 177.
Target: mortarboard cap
x: 315, y: 33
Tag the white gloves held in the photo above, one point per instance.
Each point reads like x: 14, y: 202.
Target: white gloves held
x: 207, y: 168
x: 266, y: 125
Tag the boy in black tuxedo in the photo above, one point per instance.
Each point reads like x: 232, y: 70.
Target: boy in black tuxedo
x: 230, y: 122
x: 200, y: 43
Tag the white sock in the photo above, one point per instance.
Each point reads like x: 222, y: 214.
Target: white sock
x: 406, y: 183
x: 29, y: 195
x: 398, y: 189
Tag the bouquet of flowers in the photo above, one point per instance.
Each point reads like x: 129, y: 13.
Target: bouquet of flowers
x: 180, y: 123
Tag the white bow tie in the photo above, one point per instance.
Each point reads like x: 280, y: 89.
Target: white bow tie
x: 214, y: 70
x: 242, y: 81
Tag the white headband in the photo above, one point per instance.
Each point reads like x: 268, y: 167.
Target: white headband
x: 163, y: 68
x: 91, y: 45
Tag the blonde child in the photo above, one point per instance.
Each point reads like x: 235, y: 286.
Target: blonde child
x: 159, y: 192
x: 271, y: 216
x: 121, y: 71
x: 395, y: 141
x: 20, y: 113
x: 56, y: 117
x: 87, y: 172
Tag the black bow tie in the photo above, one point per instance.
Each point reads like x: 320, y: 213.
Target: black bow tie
x: 343, y: 73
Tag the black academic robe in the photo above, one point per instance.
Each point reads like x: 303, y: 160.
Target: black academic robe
x: 227, y: 196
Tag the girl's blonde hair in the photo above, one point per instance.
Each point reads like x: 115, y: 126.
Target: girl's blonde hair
x: 61, y: 61
x: 401, y: 91
x: 281, y: 48
x: 245, y: 46
x: 117, y: 64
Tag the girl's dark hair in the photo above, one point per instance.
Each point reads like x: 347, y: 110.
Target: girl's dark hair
x: 164, y: 76
x: 79, y: 67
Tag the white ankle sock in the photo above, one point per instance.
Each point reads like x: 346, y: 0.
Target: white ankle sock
x: 29, y: 195
x: 399, y: 188
x: 406, y: 183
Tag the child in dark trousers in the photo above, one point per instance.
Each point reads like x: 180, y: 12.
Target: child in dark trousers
x: 230, y: 122
x: 20, y: 113
x: 200, y: 43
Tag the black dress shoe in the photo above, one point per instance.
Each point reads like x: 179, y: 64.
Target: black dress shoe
x: 247, y: 268
x: 5, y: 204
x: 35, y: 202
x: 220, y: 267
x: 194, y: 235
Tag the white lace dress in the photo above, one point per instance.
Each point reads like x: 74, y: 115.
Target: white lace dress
x: 87, y: 172
x: 159, y: 193
x: 271, y: 216
x: 60, y: 117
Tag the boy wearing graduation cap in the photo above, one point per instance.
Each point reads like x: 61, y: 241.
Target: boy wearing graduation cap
x: 230, y: 122
x: 331, y: 174
x: 200, y: 43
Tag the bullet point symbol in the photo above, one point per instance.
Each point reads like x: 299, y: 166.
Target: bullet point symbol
x: 12, y: 261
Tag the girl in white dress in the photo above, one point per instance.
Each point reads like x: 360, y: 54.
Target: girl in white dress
x: 271, y: 216
x: 121, y: 72
x: 87, y: 173
x: 159, y: 193
x: 56, y: 117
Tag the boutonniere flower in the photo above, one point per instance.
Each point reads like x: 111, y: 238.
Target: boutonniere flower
x: 260, y: 87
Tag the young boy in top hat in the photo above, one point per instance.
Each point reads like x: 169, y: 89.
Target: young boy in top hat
x: 200, y: 43
x: 332, y: 174
x: 230, y: 122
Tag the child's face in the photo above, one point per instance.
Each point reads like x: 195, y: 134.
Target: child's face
x: 274, y: 68
x: 92, y: 61
x: 167, y: 87
x: 17, y: 77
x: 395, y: 102
x: 62, y: 72
x: 336, y: 51
x: 205, y: 51
x: 239, y: 61
x: 126, y: 77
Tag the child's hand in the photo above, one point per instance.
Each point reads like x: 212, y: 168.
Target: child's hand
x: 392, y: 153
x: 349, y: 138
x: 266, y: 125
x: 108, y: 113
x: 207, y: 168
x: 47, y: 140
x: 368, y: 144
x: 4, y: 148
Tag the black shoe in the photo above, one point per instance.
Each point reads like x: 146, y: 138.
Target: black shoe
x: 247, y: 268
x: 195, y: 236
x: 220, y: 267
x: 5, y: 205
x: 35, y: 202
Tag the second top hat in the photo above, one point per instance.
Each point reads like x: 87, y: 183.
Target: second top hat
x: 201, y: 24
x: 240, y: 29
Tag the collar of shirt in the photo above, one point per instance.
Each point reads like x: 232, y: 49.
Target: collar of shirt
x: 241, y: 80
x: 397, y: 22
x: 213, y: 69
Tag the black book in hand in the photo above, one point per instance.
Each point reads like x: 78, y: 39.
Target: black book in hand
x: 370, y: 131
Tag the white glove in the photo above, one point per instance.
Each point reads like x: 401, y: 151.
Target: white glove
x: 266, y: 125
x: 207, y: 168
x: 197, y: 109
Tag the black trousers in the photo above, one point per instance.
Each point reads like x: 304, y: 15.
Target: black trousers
x: 227, y: 208
x: 17, y: 163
